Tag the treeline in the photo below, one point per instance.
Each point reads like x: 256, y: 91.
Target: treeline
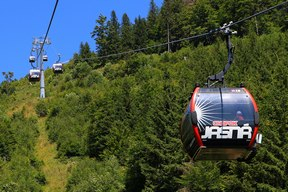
x: 178, y: 19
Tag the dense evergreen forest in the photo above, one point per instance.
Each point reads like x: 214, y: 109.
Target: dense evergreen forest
x: 115, y: 120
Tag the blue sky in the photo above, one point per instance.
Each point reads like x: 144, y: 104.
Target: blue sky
x: 73, y: 22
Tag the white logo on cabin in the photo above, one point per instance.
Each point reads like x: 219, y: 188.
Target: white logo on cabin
x: 226, y: 132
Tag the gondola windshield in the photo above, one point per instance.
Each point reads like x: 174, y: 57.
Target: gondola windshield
x: 226, y: 107
x: 232, y: 105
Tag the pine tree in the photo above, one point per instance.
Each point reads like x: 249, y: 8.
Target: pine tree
x: 113, y: 35
x: 84, y: 50
x: 152, y: 21
x: 152, y: 27
x: 100, y: 36
x: 140, y: 33
x: 127, y: 38
x: 170, y: 23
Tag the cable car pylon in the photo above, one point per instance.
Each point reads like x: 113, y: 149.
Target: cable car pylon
x: 37, y: 72
x: 221, y: 123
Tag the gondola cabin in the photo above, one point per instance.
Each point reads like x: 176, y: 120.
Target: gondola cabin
x: 57, y: 68
x: 32, y: 59
x: 220, y: 124
x: 34, y: 75
x: 45, y: 58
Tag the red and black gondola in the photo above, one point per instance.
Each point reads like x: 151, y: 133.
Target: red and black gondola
x: 220, y: 124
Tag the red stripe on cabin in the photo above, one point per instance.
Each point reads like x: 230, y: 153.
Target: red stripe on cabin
x: 192, y: 108
x: 252, y: 99
x: 192, y: 103
x: 253, y: 137
x: 197, y: 135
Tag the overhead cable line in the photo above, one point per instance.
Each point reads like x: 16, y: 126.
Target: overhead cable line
x: 155, y: 46
x: 261, y: 12
x: 195, y: 36
x: 50, y: 23
x: 40, y: 49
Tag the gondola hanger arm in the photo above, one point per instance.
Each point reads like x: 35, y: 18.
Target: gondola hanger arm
x: 219, y: 77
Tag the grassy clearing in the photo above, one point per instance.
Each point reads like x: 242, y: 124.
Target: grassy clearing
x: 25, y: 99
x: 56, y: 172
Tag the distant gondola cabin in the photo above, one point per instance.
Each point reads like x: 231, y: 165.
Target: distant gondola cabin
x: 220, y: 124
x: 32, y: 59
x: 57, y: 68
x: 45, y: 58
x: 34, y: 75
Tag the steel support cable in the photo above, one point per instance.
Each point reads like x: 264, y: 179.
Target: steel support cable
x: 157, y: 45
x: 260, y: 13
x: 195, y: 36
x: 50, y: 23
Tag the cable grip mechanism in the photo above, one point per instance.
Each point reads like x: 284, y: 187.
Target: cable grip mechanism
x: 219, y: 77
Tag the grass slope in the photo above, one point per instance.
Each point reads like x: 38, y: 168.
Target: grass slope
x: 25, y: 99
x: 56, y: 172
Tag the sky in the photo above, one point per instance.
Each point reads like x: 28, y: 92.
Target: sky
x: 22, y: 21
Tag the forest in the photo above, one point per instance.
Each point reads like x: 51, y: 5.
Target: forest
x: 114, y: 118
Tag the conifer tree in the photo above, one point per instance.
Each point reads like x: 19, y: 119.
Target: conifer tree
x: 113, y: 34
x: 126, y: 33
x: 85, y: 51
x: 100, y: 36
x: 169, y: 22
x: 140, y: 33
x: 152, y: 21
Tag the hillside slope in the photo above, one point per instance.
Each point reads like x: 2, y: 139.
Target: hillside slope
x: 52, y: 174
x: 120, y: 122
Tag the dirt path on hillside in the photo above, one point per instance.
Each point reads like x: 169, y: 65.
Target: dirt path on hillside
x: 56, y: 173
